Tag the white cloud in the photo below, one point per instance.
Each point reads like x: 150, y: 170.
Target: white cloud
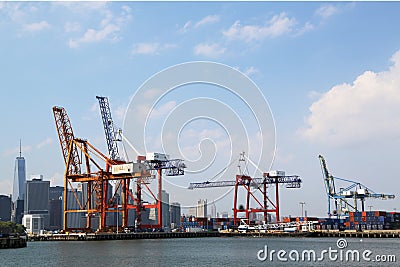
x: 93, y: 36
x: 94, y: 107
x: 15, y: 151
x: 109, y: 27
x: 72, y: 27
x: 120, y: 112
x: 250, y: 70
x: 163, y: 110
x: 209, y: 50
x: 207, y: 20
x: 326, y: 11
x: 210, y: 19
x: 276, y: 26
x: 306, y: 28
x: 56, y: 179
x: 365, y: 111
x: 82, y: 6
x: 36, y: 27
x: 150, y: 48
x: 186, y: 27
x: 151, y: 93
x: 44, y: 143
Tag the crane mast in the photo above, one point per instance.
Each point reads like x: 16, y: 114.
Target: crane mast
x: 108, y: 125
x: 355, y: 191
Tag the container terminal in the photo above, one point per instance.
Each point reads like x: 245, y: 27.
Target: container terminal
x: 90, y: 170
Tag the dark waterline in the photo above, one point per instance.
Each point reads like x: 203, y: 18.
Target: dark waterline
x: 239, y: 251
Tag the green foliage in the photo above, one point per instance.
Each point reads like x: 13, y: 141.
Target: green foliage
x: 11, y: 228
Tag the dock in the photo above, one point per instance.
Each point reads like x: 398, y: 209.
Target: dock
x: 12, y: 242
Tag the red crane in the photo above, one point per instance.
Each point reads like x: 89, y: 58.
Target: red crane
x: 256, y: 190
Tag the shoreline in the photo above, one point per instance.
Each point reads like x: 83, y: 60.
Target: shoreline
x: 163, y: 235
x: 13, y: 242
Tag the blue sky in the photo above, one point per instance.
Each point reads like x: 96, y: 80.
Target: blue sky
x: 329, y: 71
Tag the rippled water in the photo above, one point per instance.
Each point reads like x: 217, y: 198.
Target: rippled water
x: 235, y: 251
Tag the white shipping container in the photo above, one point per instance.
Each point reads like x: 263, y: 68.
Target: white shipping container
x: 127, y: 168
x: 276, y: 173
x: 361, y: 192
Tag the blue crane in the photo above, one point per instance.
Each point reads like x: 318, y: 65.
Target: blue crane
x: 345, y: 199
x: 108, y: 125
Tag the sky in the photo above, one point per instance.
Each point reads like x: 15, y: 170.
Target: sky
x: 329, y: 72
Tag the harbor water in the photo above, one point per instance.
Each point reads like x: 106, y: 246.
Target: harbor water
x: 213, y: 251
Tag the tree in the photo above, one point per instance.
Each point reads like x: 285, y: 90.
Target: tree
x: 11, y: 228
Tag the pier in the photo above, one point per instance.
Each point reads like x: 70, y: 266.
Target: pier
x: 12, y: 242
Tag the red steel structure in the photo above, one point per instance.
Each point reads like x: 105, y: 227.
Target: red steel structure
x: 172, y: 168
x: 84, y: 167
x: 256, y: 192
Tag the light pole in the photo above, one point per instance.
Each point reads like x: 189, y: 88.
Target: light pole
x: 117, y: 213
x: 370, y: 208
x: 302, y: 208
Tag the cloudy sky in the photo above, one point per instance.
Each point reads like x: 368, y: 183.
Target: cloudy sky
x: 329, y: 71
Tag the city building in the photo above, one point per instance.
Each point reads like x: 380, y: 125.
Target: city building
x: 223, y: 214
x: 191, y: 212
x: 166, y: 221
x: 17, y: 197
x: 75, y: 219
x: 5, y: 208
x: 175, y: 214
x: 17, y: 211
x: 19, y: 177
x: 37, y: 198
x: 201, y: 208
x: 213, y: 210
x: 56, y: 207
x: 34, y: 223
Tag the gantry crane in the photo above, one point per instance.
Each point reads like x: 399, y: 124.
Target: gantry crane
x: 82, y: 167
x: 354, y: 192
x: 252, y: 186
x: 155, y: 162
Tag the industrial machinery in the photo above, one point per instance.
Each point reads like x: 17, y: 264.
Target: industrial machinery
x: 154, y: 163
x: 85, y: 174
x: 346, y: 199
x: 255, y: 191
x: 89, y: 172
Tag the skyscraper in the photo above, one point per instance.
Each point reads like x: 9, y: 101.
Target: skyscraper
x: 175, y: 213
x: 213, y: 210
x: 19, y: 177
x: 5, y: 208
x: 166, y: 221
x: 37, y: 198
x: 56, y: 207
x: 201, y: 208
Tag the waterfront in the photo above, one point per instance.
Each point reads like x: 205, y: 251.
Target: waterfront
x: 213, y: 251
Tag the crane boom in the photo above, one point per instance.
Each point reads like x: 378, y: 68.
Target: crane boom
x: 291, y: 181
x: 355, y: 191
x: 66, y: 136
x: 108, y: 125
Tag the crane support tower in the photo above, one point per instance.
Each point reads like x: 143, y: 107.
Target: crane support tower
x: 85, y: 173
x: 108, y: 125
x: 256, y: 191
x: 154, y: 163
x: 346, y: 199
